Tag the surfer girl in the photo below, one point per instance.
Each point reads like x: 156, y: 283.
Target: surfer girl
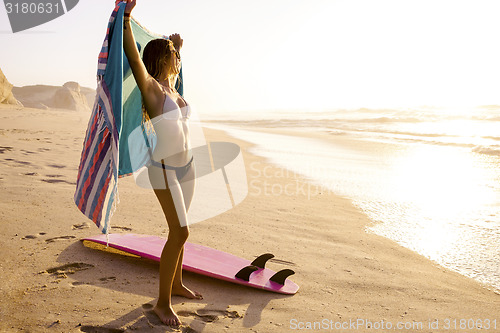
x: 172, y: 171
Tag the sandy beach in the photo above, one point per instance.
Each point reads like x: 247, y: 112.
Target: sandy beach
x: 350, y: 280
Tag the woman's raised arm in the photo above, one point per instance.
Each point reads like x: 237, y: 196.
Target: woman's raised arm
x: 144, y: 81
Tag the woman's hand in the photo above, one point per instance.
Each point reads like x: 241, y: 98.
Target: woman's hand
x: 130, y: 5
x: 176, y: 39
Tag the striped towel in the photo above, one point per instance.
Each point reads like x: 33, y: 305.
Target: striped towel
x: 115, y: 114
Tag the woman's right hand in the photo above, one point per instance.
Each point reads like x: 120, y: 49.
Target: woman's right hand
x: 130, y: 5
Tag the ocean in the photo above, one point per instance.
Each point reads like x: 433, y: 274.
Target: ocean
x: 427, y: 178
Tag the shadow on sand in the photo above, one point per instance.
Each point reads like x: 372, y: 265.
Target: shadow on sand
x: 124, y: 273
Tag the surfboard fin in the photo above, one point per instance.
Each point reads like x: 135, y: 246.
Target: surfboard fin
x: 245, y: 272
x: 262, y: 259
x: 281, y: 276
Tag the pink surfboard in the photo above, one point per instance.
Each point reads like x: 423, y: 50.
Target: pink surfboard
x: 207, y: 261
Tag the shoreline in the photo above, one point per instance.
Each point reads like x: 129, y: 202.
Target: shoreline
x: 344, y: 273
x: 361, y: 147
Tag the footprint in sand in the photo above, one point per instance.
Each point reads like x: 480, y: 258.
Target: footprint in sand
x: 30, y: 237
x: 148, y: 306
x: 52, y: 181
x: 79, y: 283
x: 30, y: 174
x: 107, y: 279
x: 84, y: 225
x: 34, y: 236
x: 224, y: 313
x: 53, y: 239
x: 58, y: 166
x: 3, y: 149
x: 98, y: 329
x: 19, y: 162
x: 121, y: 228
x: 71, y: 268
x: 208, y: 315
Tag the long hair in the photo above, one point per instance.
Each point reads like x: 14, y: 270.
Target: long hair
x: 155, y: 53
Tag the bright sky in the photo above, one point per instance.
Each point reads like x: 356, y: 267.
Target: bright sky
x: 288, y: 54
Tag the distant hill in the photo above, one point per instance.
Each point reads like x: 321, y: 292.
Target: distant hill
x: 70, y: 96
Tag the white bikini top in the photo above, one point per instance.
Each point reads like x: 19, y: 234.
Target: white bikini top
x: 172, y: 111
x: 166, y: 125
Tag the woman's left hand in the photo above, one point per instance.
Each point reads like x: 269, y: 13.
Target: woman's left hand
x: 177, y: 40
x: 129, y: 6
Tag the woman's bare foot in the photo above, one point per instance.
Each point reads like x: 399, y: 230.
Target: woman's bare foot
x: 182, y: 290
x: 167, y: 315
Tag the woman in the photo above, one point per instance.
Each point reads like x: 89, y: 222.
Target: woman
x: 172, y: 164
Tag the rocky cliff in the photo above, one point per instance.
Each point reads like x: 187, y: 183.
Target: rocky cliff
x: 6, y: 96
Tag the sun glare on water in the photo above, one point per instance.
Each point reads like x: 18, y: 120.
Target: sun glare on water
x: 439, y: 180
x: 442, y: 190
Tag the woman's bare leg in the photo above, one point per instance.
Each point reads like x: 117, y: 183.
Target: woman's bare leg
x: 172, y: 200
x: 187, y: 185
x: 177, y: 236
x: 172, y: 203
